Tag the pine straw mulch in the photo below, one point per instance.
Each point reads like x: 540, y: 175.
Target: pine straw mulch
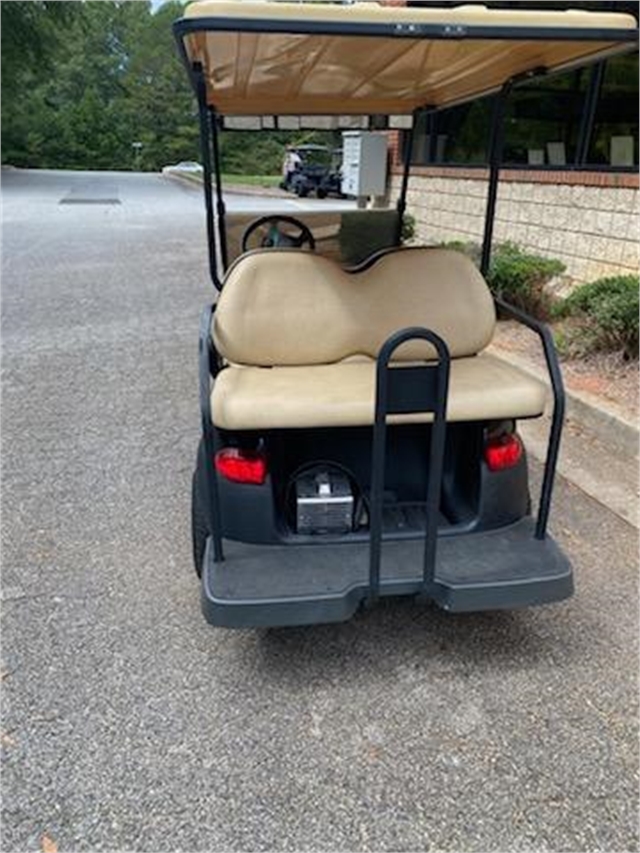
x: 604, y: 375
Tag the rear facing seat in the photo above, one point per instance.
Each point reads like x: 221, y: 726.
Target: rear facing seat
x: 301, y: 335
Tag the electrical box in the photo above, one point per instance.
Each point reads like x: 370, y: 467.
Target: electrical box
x: 364, y: 163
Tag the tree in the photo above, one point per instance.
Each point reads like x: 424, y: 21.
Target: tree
x: 159, y: 106
x: 83, y: 81
x: 32, y: 38
x: 31, y: 35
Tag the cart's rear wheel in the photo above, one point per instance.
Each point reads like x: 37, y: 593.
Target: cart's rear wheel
x: 199, y: 530
x: 321, y: 192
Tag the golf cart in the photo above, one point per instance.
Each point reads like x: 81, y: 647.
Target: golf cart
x: 358, y: 439
x: 312, y: 168
x: 331, y: 182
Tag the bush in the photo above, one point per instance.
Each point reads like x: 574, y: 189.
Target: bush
x: 408, y: 228
x: 602, y: 315
x: 471, y: 250
x: 516, y: 276
x: 520, y: 278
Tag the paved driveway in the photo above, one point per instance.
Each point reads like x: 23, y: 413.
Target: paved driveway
x: 128, y: 723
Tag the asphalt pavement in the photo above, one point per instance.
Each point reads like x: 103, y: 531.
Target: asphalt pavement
x: 128, y: 723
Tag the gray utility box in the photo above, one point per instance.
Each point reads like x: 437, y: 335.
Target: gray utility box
x: 364, y: 163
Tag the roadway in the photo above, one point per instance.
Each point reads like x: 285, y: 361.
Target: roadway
x: 129, y: 723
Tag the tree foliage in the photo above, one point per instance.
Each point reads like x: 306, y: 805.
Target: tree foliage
x: 84, y: 81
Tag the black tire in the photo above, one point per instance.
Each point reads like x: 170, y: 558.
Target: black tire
x: 321, y: 192
x: 199, y: 531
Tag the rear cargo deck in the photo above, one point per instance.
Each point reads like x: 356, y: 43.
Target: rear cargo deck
x: 306, y: 584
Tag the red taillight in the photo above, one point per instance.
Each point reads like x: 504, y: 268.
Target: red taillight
x: 241, y: 466
x: 503, y: 451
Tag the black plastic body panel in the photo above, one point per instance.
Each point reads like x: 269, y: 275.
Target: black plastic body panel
x: 473, y: 498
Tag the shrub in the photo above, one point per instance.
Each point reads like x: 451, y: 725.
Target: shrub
x: 520, y: 278
x: 408, y: 228
x: 587, y: 297
x: 603, y: 315
x: 470, y: 249
x: 516, y: 276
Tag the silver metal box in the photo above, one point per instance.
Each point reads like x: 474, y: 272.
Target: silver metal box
x: 324, y: 503
x: 364, y: 163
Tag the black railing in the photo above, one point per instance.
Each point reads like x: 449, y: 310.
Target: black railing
x: 208, y: 367
x: 557, y: 417
x: 405, y: 390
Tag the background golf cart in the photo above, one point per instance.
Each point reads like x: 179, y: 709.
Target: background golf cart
x: 318, y: 171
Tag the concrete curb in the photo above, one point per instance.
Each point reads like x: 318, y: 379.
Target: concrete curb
x: 247, y: 189
x: 237, y: 189
x: 181, y: 178
x: 606, y: 421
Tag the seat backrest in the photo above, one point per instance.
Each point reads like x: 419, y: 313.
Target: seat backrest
x: 291, y: 307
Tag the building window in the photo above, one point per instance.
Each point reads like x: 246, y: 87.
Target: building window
x: 543, y: 120
x: 587, y: 118
x: 457, y: 136
x: 614, y: 140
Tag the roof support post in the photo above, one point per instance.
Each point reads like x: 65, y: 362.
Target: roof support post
x: 496, y: 145
x: 589, y: 113
x: 401, y: 205
x: 205, y: 150
x: 220, y: 205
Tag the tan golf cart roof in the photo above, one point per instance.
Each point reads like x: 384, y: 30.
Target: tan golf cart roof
x: 262, y: 57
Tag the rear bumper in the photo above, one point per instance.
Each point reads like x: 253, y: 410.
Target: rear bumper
x: 269, y: 586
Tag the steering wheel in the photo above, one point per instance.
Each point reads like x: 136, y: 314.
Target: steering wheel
x: 274, y: 238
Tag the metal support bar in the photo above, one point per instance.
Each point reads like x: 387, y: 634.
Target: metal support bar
x: 220, y: 205
x: 496, y: 144
x: 589, y: 113
x: 401, y: 205
x: 557, y: 418
x: 404, y: 390
x: 205, y: 150
x: 207, y: 360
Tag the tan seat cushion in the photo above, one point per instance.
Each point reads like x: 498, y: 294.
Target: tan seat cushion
x: 480, y: 388
x: 290, y: 307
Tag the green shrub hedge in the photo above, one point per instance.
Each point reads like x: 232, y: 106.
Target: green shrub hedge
x: 520, y: 278
x: 602, y: 315
x: 408, y: 228
x: 517, y: 276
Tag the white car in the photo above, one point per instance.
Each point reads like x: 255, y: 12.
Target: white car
x: 185, y: 166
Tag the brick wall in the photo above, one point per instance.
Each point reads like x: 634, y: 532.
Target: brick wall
x: 588, y: 220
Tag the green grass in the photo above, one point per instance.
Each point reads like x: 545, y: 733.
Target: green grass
x: 252, y: 180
